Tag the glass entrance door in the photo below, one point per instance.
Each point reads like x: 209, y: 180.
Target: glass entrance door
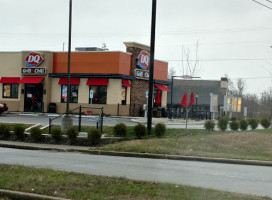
x: 33, y: 98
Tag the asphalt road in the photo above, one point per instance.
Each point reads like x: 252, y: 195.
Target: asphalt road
x: 254, y: 180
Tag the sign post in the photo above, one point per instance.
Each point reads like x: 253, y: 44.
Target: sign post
x: 91, y: 96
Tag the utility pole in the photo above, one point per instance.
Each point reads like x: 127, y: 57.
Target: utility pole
x: 67, y: 121
x: 151, y: 67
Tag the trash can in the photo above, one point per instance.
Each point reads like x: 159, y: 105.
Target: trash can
x: 52, y: 107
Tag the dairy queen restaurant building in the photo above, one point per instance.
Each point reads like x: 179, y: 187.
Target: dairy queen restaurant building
x: 36, y: 81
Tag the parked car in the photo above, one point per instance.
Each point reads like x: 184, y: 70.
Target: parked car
x: 3, y: 107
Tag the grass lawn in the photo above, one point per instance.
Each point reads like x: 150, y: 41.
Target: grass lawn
x: 82, y: 186
x: 253, y: 145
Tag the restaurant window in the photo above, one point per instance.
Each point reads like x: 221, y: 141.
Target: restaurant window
x: 124, y: 95
x: 99, y: 95
x: 73, y: 93
x: 10, y: 90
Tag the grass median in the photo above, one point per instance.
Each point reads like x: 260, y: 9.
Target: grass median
x: 248, y: 145
x: 82, y: 186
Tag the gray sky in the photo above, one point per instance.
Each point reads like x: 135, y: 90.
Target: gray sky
x: 234, y: 36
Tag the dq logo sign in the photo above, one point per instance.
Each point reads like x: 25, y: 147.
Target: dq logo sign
x: 143, y: 59
x: 33, y: 59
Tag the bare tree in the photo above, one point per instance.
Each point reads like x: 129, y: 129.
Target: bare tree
x: 171, y: 72
x: 190, y: 70
x: 241, y: 85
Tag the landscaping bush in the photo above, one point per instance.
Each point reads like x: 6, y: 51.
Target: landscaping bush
x: 140, y: 130
x: 4, y: 131
x: 253, y: 123
x: 223, y: 123
x: 19, y: 132
x: 209, y: 125
x: 72, y: 134
x: 56, y: 134
x: 243, y: 124
x: 94, y: 136
x: 160, y: 129
x: 265, y: 123
x: 36, y: 134
x: 234, y: 125
x: 120, y: 130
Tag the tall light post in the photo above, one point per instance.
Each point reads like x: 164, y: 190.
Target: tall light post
x: 67, y: 121
x: 151, y: 67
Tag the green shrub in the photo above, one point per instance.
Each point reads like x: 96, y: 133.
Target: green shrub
x: 94, y: 136
x: 19, y: 131
x: 253, y: 123
x: 160, y: 129
x: 265, y: 123
x: 120, y: 130
x: 72, y: 134
x: 4, y: 131
x: 56, y: 134
x: 140, y: 130
x: 36, y: 134
x: 234, y: 125
x: 223, y: 123
x: 243, y: 124
x: 209, y: 125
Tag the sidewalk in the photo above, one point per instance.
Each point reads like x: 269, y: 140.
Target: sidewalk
x: 94, y: 151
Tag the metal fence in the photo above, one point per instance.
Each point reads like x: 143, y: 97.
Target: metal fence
x: 82, y: 111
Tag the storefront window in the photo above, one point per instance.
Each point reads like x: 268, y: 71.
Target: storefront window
x: 73, y: 94
x: 124, y: 95
x: 99, y: 95
x: 10, y: 90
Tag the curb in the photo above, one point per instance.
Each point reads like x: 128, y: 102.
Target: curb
x: 142, y: 155
x: 15, y: 195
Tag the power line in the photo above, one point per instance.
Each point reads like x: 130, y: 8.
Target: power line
x: 269, y: 1
x: 263, y: 4
x: 226, y: 59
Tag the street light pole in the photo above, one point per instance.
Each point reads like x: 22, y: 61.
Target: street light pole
x: 69, y: 59
x: 67, y: 121
x: 151, y: 67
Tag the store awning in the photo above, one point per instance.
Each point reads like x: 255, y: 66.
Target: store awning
x: 162, y: 87
x: 34, y: 80
x: 97, y: 81
x: 73, y: 81
x: 10, y: 80
x: 126, y: 83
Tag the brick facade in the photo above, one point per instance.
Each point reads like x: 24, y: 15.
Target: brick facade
x: 138, y: 86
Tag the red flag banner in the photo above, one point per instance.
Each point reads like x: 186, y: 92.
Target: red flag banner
x: 158, y: 97
x: 184, y: 101
x: 192, y: 99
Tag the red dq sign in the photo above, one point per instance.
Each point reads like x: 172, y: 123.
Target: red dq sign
x: 34, y: 59
x: 143, y: 59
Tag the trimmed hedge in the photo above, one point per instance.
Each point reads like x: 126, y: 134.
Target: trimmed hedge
x: 36, y: 134
x: 160, y: 130
x: 72, y: 134
x: 209, y: 125
x: 19, y: 132
x: 223, y: 123
x: 120, y: 130
x: 94, y: 136
x: 140, y: 131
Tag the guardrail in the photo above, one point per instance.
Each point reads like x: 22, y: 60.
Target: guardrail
x: 99, y: 123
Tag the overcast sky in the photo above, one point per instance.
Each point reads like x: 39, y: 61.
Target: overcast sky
x: 234, y: 36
